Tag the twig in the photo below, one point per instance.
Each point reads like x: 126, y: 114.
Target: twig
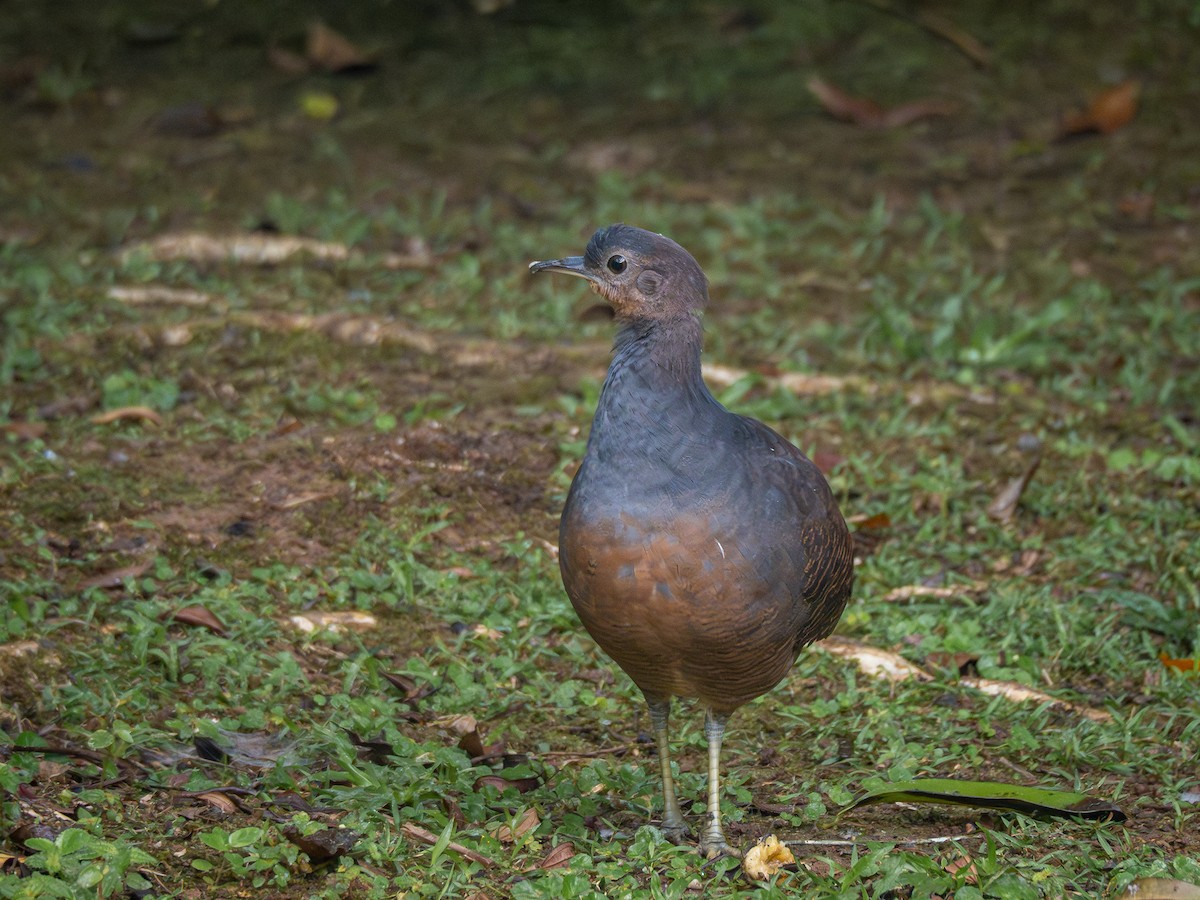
x: 907, y: 842
x: 942, y: 27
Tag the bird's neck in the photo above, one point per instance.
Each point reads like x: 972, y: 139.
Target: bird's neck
x: 654, y: 379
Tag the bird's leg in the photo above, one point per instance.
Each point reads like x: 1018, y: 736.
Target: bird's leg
x: 672, y: 823
x: 712, y: 842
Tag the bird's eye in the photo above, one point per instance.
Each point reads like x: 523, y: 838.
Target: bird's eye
x: 617, y: 264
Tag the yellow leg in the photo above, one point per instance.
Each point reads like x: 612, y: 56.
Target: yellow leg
x: 672, y: 823
x: 712, y: 843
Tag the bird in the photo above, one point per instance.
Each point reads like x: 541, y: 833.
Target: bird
x: 700, y: 549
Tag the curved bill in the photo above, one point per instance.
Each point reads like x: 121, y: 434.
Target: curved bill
x: 571, y: 265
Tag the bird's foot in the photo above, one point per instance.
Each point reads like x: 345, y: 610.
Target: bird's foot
x: 713, y: 844
x: 674, y: 831
x: 717, y: 849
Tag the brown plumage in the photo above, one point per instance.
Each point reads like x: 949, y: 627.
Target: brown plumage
x: 700, y: 549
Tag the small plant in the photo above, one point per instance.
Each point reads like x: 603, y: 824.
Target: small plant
x: 77, y: 859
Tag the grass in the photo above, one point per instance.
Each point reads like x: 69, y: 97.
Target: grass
x: 297, y: 472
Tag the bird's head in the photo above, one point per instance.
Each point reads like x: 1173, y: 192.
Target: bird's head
x: 643, y: 276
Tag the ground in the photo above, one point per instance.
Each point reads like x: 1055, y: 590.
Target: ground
x: 206, y: 460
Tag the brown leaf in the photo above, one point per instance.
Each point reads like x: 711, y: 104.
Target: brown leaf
x: 409, y: 687
x: 870, y: 114
x: 334, y: 621
x: 1004, y: 506
x: 24, y: 431
x: 522, y: 785
x: 1183, y: 665
x: 843, y: 106
x: 333, y: 52
x: 221, y: 801
x: 428, y: 837
x: 877, y: 522
x: 143, y: 413
x: 1109, y: 111
x: 557, y: 856
x: 507, y: 834
x: 287, y: 62
x: 199, y: 615
x: 467, y: 728
x: 116, y: 577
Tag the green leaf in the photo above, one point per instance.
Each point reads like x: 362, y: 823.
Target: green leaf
x: 994, y: 795
x: 244, y: 837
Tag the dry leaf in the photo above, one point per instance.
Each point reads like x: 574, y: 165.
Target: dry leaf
x: 218, y: 799
x: 152, y: 293
x: 908, y: 591
x: 428, y: 837
x: 877, y: 522
x: 1004, y: 506
x: 1108, y: 112
x: 766, y: 858
x: 558, y: 856
x: 287, y: 62
x: 873, y: 661
x: 24, y: 431
x: 1162, y: 889
x: 116, y: 577
x: 1019, y: 693
x: 199, y: 615
x: 347, y: 620
x: 844, y: 106
x: 333, y: 52
x: 507, y: 834
x: 870, y: 114
x: 522, y: 785
x: 144, y: 413
x: 1183, y: 665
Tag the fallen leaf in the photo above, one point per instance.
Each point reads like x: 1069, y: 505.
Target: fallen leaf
x: 766, y: 858
x: 115, y: 578
x: 873, y: 661
x: 894, y: 667
x: 199, y: 615
x: 1004, y: 506
x: 338, y: 620
x: 844, y: 106
x: 522, y: 785
x: 221, y: 801
x: 908, y: 591
x: 142, y: 294
x: 334, y: 52
x: 1183, y: 665
x: 1162, y: 889
x: 409, y: 687
x: 507, y: 834
x: 994, y: 795
x: 24, y: 431
x: 253, y: 248
x: 144, y: 413
x: 1109, y: 111
x: 287, y: 62
x: 870, y: 114
x: 1019, y: 693
x: 877, y: 522
x: 428, y: 837
x: 557, y: 856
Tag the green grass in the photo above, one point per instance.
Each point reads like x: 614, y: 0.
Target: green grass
x: 969, y: 293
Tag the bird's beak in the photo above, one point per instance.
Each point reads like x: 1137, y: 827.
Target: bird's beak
x: 571, y: 265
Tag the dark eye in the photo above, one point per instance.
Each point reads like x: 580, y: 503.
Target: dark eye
x: 617, y: 264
